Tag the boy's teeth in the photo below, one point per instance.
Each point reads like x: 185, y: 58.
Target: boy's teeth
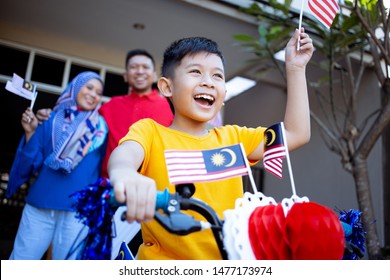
x: 204, y: 96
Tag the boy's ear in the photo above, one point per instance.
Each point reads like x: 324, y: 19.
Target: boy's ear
x: 164, y: 85
x: 125, y: 77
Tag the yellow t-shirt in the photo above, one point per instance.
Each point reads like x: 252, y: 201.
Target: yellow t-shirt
x: 219, y: 195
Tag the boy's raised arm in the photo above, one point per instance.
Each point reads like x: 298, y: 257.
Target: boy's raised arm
x: 136, y: 190
x: 297, y: 114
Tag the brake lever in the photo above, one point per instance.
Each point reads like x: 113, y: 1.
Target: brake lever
x: 177, y: 222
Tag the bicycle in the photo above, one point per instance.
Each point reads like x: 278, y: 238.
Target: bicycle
x: 174, y: 220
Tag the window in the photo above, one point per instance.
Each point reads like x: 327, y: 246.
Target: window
x: 51, y: 73
x: 48, y: 70
x: 75, y: 69
x: 13, y: 61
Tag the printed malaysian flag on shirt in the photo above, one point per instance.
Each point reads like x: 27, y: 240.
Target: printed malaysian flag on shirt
x: 274, y: 149
x: 324, y: 11
x: 189, y: 166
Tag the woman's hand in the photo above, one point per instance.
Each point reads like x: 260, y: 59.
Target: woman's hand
x: 29, y: 123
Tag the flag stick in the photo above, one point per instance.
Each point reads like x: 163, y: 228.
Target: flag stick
x: 33, y: 99
x: 253, y: 184
x: 300, y: 25
x: 288, y: 160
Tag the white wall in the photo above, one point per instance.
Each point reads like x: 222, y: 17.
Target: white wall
x: 61, y: 44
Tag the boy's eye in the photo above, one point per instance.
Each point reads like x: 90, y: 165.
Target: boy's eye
x: 219, y: 75
x: 194, y: 71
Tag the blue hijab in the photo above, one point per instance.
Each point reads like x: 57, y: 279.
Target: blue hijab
x: 75, y: 132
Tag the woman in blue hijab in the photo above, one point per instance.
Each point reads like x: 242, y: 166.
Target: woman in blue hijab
x: 58, y: 158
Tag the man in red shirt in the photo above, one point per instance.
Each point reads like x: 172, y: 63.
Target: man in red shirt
x: 120, y: 112
x: 142, y: 101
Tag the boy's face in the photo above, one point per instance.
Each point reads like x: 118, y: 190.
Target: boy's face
x: 198, y: 87
x: 140, y: 73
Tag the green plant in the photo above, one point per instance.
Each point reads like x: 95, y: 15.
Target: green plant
x: 348, y: 50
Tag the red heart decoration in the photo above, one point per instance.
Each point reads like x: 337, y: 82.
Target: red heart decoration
x: 310, y: 231
x: 314, y: 232
x: 266, y: 233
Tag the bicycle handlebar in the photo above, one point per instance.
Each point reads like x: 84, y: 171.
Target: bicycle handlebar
x: 177, y: 222
x: 162, y: 198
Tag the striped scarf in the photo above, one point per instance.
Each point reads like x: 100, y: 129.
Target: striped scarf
x: 74, y: 133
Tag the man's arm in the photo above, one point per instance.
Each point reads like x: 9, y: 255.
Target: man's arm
x: 43, y: 115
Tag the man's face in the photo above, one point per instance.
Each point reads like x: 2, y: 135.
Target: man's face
x: 140, y: 74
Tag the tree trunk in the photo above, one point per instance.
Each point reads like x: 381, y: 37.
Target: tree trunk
x: 363, y: 192
x: 386, y: 187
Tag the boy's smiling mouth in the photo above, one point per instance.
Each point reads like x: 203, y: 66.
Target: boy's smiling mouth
x: 204, y: 99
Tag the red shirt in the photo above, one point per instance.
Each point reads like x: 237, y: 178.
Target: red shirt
x: 122, y: 111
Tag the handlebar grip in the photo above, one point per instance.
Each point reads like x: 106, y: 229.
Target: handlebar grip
x: 162, y: 199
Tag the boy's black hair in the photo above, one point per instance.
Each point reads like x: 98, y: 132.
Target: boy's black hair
x: 135, y: 52
x: 187, y: 46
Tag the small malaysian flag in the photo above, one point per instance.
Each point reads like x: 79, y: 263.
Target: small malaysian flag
x: 21, y: 87
x: 124, y: 253
x: 324, y: 11
x: 189, y: 166
x: 274, y: 149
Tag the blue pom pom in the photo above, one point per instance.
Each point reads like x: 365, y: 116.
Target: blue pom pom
x: 354, y: 234
x: 92, y: 209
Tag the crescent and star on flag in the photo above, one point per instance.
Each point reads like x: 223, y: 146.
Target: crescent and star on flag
x: 271, y: 139
x: 219, y: 159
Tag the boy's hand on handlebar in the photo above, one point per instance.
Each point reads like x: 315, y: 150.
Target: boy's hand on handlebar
x: 137, y: 191
x: 139, y: 194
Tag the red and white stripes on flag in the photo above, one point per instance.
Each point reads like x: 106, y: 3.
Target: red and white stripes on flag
x: 273, y: 160
x: 324, y: 11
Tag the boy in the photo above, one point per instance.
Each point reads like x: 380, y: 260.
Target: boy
x: 193, y: 80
